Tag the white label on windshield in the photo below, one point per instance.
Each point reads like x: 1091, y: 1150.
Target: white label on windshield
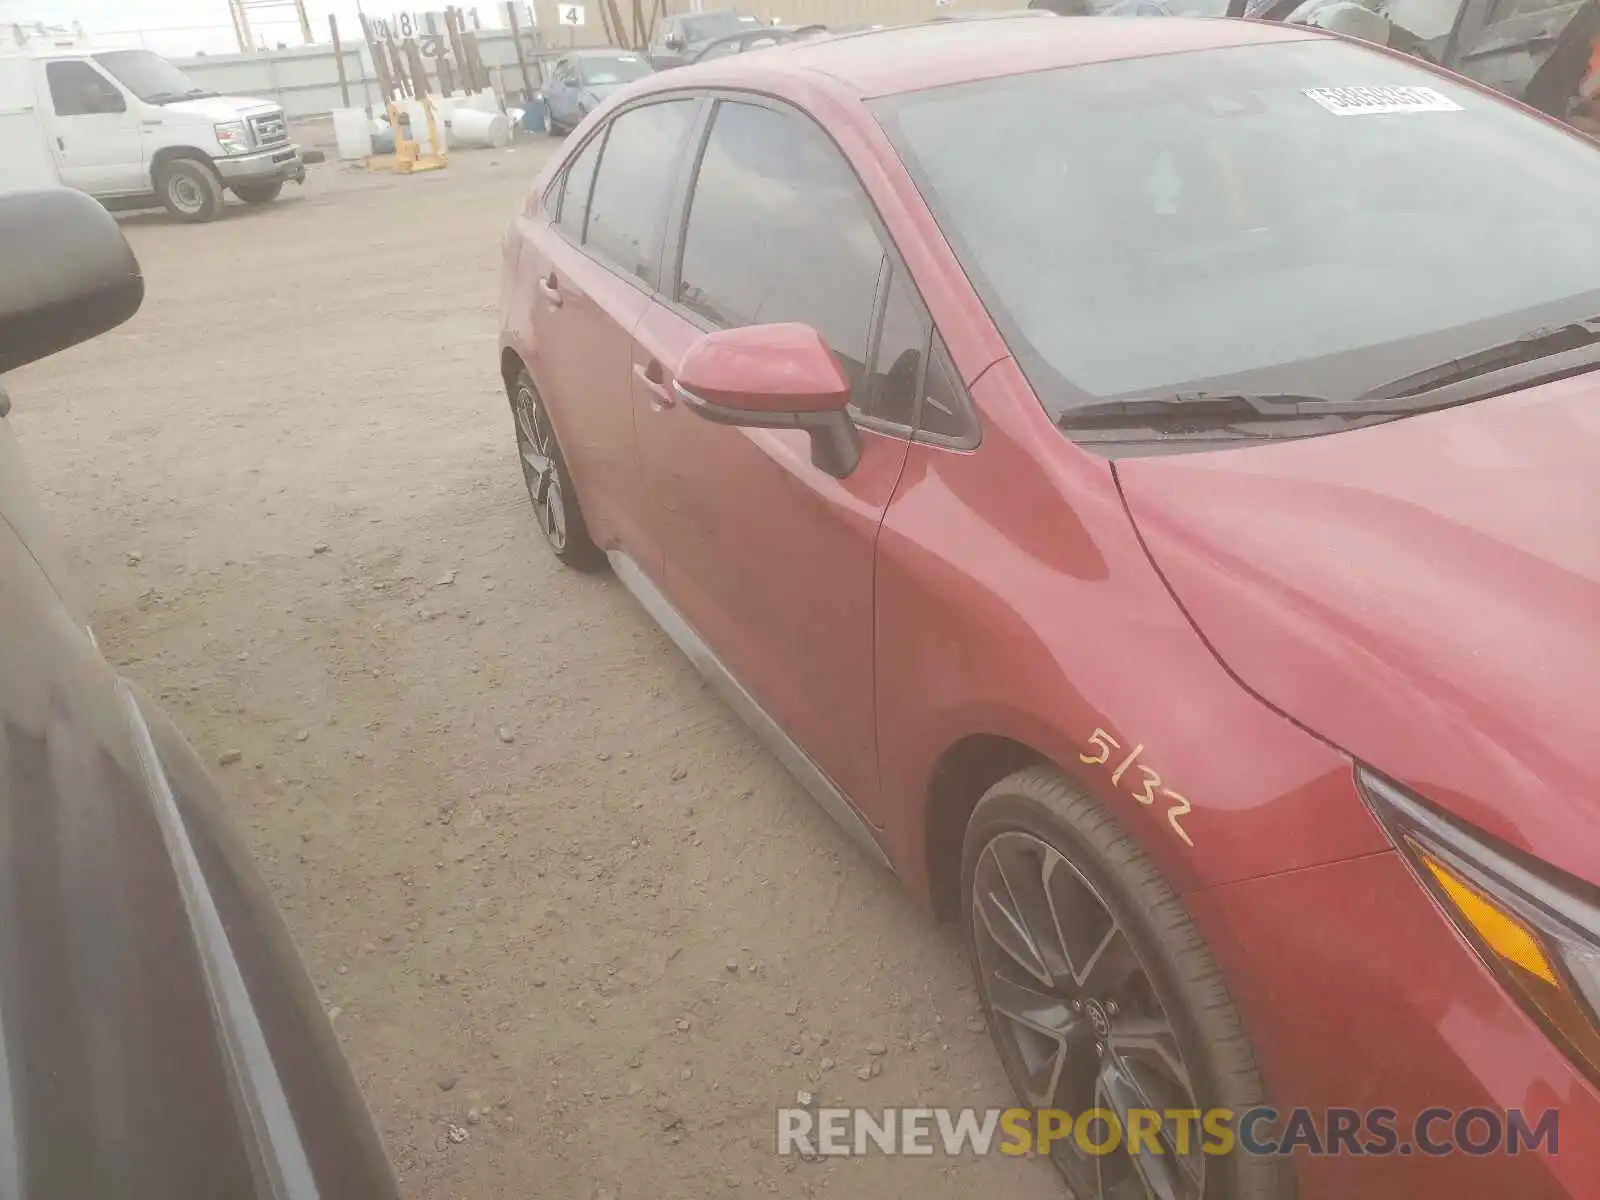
x: 1373, y: 101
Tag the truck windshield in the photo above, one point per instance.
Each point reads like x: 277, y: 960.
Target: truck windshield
x: 705, y: 26
x: 150, y: 77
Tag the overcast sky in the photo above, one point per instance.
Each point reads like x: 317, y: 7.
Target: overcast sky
x: 181, y: 27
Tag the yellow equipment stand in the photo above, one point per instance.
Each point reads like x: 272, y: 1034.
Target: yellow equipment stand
x: 408, y: 158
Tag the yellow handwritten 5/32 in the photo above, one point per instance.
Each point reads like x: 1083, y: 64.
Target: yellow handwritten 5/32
x: 1148, y: 784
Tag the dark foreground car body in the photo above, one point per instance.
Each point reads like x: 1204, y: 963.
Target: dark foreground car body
x: 159, y: 1037
x: 1541, y: 52
x: 1199, y: 598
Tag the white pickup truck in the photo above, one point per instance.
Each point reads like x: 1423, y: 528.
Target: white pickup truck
x: 130, y: 129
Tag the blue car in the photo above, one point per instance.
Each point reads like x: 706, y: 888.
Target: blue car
x: 580, y: 80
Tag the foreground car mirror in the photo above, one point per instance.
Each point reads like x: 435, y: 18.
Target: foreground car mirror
x: 774, y: 377
x: 69, y: 274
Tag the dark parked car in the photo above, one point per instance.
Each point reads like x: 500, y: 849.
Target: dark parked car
x: 755, y: 39
x: 1545, y: 53
x: 580, y: 80
x: 678, y: 39
x: 1197, y: 598
x: 159, y: 1037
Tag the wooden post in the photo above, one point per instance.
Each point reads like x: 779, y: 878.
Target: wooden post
x: 380, y: 61
x: 338, y: 57
x: 480, y: 73
x: 452, y: 26
x: 420, y: 84
x: 441, y: 50
x: 522, y: 59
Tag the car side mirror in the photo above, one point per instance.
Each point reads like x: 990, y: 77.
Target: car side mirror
x: 774, y: 377
x: 674, y: 42
x: 69, y: 274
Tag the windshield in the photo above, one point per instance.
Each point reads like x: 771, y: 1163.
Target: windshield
x: 1253, y: 218
x: 623, y: 68
x: 714, y: 25
x: 150, y: 77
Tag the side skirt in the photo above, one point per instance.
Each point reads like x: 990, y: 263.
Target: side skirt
x: 742, y: 702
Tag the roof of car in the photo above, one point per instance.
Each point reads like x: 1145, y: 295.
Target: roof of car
x: 912, y: 57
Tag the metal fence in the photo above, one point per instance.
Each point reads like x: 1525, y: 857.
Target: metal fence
x: 305, y: 79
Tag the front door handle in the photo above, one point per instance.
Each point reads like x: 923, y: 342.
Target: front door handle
x: 652, y: 378
x: 61, y: 144
x: 552, y: 293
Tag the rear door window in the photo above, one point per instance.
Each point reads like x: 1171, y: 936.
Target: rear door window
x: 779, y: 230
x: 628, y: 208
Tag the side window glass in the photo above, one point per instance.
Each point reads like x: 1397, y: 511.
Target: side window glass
x: 944, y: 413
x: 778, y: 230
x: 77, y: 89
x: 898, y: 363
x: 628, y: 212
x: 575, y: 192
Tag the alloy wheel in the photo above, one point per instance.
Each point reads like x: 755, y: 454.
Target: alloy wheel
x: 536, y: 448
x: 1078, y: 1022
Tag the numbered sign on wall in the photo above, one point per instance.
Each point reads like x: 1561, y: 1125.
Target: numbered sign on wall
x: 572, y: 14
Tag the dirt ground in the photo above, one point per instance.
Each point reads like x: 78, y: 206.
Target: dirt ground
x: 552, y: 891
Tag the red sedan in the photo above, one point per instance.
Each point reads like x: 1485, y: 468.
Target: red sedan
x: 1144, y: 478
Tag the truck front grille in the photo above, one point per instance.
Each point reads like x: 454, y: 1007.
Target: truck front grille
x: 270, y: 130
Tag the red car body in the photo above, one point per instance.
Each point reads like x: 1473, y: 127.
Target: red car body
x: 1421, y: 596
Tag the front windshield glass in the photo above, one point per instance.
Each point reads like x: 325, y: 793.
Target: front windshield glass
x: 714, y: 25
x: 1252, y: 218
x: 622, y: 68
x: 149, y: 76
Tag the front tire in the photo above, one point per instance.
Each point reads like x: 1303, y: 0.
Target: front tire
x: 1100, y: 993
x: 544, y: 471
x: 259, y: 193
x: 190, y: 190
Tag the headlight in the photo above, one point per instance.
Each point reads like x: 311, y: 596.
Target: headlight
x: 1537, y: 929
x: 233, y: 135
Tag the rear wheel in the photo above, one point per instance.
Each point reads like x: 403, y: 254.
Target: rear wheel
x: 1100, y: 994
x: 259, y: 193
x: 189, y: 189
x: 544, y: 471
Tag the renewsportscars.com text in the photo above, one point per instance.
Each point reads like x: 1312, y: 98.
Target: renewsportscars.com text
x: 1375, y: 1132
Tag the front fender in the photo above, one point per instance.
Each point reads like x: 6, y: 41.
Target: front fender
x: 1039, y: 618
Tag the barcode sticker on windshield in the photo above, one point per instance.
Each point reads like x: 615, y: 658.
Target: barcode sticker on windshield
x: 1373, y: 101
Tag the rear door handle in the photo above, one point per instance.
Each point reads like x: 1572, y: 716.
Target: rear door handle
x: 61, y: 143
x: 656, y: 387
x: 551, y: 292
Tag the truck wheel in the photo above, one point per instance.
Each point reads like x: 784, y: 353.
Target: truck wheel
x: 190, y: 190
x: 259, y: 193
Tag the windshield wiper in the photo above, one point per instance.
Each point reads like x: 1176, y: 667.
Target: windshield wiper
x: 1175, y: 410
x: 1543, y: 342
x: 162, y: 97
x: 199, y: 93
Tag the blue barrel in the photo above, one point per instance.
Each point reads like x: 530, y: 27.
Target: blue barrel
x: 533, y: 115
